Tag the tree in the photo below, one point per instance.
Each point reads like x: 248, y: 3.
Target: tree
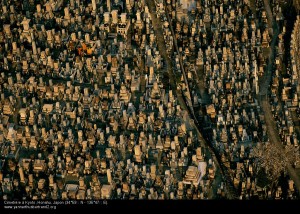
x: 274, y: 160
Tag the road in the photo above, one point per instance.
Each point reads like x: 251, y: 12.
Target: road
x: 263, y: 101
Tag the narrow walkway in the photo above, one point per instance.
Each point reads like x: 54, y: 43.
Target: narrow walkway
x: 200, y: 79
